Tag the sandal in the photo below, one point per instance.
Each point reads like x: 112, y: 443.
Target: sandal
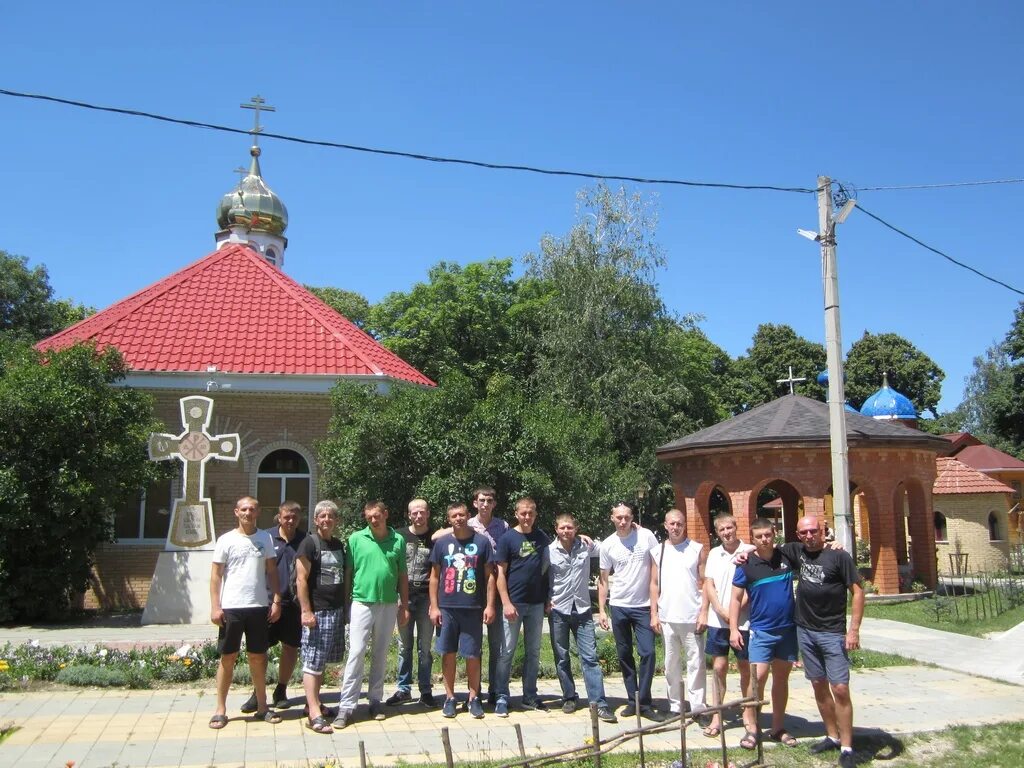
x: 784, y: 737
x: 750, y: 739
x: 218, y: 721
x: 712, y: 731
x: 270, y: 716
x: 320, y: 725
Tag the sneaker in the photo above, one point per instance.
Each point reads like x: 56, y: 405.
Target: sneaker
x: 250, y: 705
x: 476, y: 709
x: 536, y: 705
x: 342, y: 720
x: 398, y: 697
x: 605, y: 714
x: 653, y: 714
x: 846, y: 760
x: 569, y: 706
x: 825, y: 745
x: 628, y: 711
x: 427, y: 700
x: 448, y: 710
x: 376, y: 711
x: 501, y: 708
x: 280, y: 698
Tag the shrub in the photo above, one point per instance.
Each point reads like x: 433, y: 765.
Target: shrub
x: 86, y: 675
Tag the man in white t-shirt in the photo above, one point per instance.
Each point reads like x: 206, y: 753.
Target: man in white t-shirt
x: 718, y: 575
x: 679, y: 612
x: 243, y: 580
x: 626, y: 556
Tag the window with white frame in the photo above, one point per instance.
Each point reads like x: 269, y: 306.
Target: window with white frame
x: 147, y: 516
x: 283, y: 476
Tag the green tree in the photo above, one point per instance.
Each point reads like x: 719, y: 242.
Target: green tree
x: 911, y: 372
x: 475, y: 319
x: 27, y: 308
x: 73, y: 451
x: 773, y: 349
x: 349, y: 304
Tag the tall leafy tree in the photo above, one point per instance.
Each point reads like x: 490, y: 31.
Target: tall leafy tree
x: 773, y: 349
x: 73, y: 451
x: 28, y: 310
x: 910, y: 371
x: 350, y: 304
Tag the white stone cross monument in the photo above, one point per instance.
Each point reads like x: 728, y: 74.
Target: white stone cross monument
x: 180, y: 590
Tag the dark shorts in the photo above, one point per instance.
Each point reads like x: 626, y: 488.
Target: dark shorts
x: 767, y: 646
x: 462, y: 631
x: 824, y: 655
x: 717, y: 643
x: 251, y: 622
x: 288, y: 628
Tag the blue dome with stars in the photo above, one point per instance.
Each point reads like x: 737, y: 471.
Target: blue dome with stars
x: 888, y: 404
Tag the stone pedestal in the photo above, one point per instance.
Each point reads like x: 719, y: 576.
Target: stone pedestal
x: 180, y: 591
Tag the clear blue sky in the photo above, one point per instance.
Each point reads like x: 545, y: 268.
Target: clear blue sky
x: 875, y: 93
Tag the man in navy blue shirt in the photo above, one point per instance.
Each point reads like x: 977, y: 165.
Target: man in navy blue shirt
x: 523, y: 588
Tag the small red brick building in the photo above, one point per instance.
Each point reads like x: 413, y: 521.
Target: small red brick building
x: 781, y: 450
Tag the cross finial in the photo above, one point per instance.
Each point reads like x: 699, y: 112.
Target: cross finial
x: 258, y: 104
x: 242, y: 172
x: 791, y: 380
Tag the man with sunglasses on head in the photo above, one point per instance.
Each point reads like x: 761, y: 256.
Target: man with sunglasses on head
x: 826, y: 575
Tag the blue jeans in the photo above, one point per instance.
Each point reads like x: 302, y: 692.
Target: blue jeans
x: 627, y: 622
x: 420, y: 623
x: 531, y: 619
x: 495, y: 641
x: 581, y: 625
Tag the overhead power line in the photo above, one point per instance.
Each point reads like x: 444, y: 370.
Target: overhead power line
x: 968, y: 267
x: 940, y: 186
x: 411, y: 155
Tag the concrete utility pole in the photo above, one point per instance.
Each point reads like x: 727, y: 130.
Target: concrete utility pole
x: 834, y: 356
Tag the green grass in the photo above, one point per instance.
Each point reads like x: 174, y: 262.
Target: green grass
x: 923, y: 613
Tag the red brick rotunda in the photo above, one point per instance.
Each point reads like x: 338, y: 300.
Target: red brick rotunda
x: 780, y: 451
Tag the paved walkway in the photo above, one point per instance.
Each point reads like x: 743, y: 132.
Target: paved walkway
x: 168, y: 728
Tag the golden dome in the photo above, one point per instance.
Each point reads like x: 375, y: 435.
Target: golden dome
x: 252, y: 204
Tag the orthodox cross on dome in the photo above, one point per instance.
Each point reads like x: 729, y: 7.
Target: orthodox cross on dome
x: 791, y: 380
x: 192, y: 519
x: 258, y: 104
x: 242, y: 172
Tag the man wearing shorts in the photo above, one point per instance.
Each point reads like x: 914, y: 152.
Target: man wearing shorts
x: 243, y: 567
x: 462, y: 595
x: 826, y: 575
x: 288, y: 629
x: 767, y: 578
x: 380, y: 597
x: 718, y: 573
x: 320, y: 587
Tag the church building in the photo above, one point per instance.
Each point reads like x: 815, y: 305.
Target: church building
x: 235, y: 328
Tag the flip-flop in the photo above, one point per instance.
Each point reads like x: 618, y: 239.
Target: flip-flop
x: 784, y: 737
x: 749, y: 740
x: 218, y: 721
x: 270, y: 716
x: 712, y: 731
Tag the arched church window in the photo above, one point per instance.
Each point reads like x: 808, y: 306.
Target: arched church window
x: 940, y: 527
x: 993, y: 527
x: 283, y: 476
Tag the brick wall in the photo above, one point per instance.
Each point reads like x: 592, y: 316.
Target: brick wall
x: 123, y: 571
x: 967, y: 530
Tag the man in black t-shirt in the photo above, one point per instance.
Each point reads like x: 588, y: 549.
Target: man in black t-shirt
x: 417, y: 535
x: 523, y: 588
x: 321, y: 589
x: 825, y: 577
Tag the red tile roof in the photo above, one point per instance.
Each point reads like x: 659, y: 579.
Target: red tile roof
x: 953, y: 476
x: 233, y: 310
x: 985, y: 458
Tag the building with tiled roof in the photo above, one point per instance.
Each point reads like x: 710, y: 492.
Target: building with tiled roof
x: 971, y: 517
x: 235, y: 328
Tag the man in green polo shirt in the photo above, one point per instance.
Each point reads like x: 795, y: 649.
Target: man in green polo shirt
x: 380, y: 596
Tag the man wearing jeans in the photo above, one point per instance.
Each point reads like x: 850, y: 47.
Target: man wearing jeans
x: 523, y: 589
x: 626, y: 555
x: 380, y: 595
x: 418, y: 544
x: 569, y: 580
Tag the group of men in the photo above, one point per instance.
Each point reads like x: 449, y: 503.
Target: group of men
x: 442, y: 587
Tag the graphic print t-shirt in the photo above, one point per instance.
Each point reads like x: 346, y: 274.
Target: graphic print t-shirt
x: 326, y: 571
x: 463, y: 578
x: 526, y: 555
x: 825, y: 577
x: 417, y: 558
